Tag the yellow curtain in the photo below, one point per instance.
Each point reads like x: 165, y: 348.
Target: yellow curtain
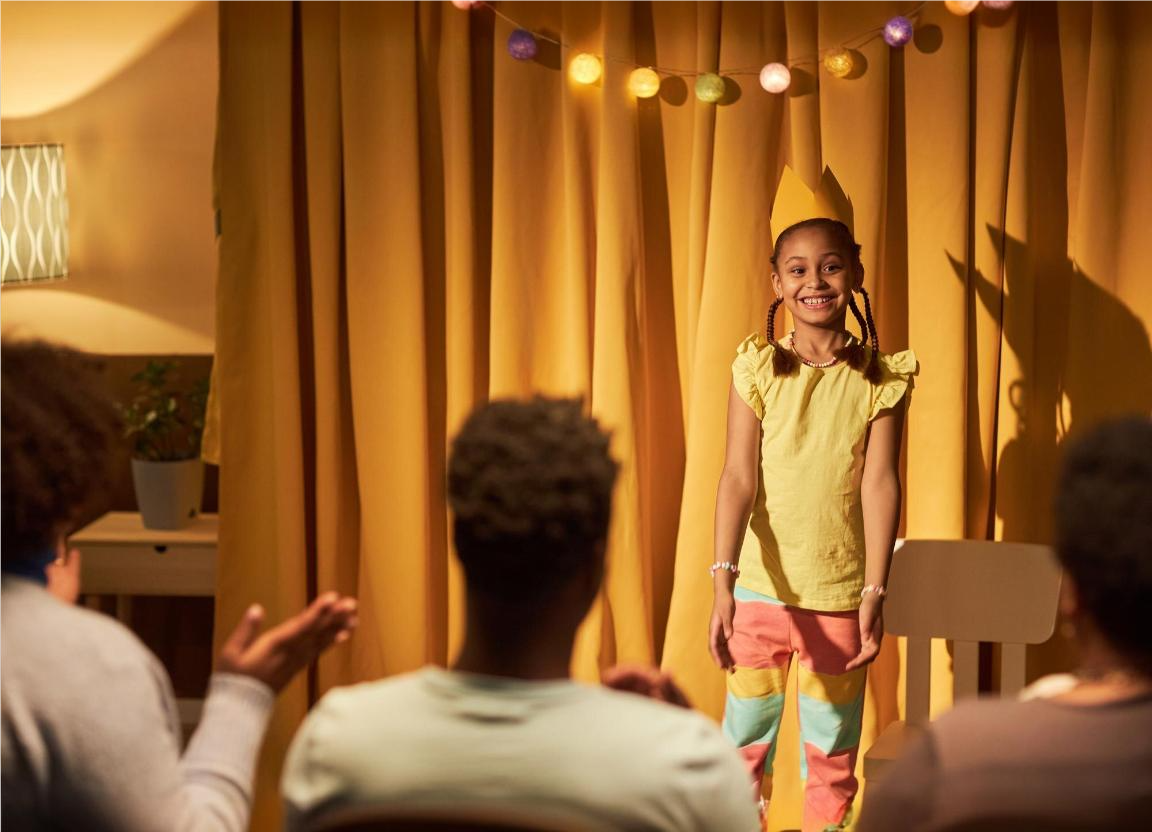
x: 413, y: 222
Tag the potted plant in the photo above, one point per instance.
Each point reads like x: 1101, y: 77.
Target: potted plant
x: 165, y: 425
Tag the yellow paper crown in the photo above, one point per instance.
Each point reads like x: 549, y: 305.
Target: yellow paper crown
x: 795, y: 201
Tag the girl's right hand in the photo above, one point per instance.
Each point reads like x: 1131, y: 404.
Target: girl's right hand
x: 720, y: 629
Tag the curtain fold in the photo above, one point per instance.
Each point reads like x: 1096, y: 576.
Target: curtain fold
x: 413, y: 223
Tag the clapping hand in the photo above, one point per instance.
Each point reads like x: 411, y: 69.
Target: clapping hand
x: 646, y: 681
x: 63, y: 575
x: 277, y: 655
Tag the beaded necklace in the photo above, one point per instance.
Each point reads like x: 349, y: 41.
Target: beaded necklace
x: 817, y: 365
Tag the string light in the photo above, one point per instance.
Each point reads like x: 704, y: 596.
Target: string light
x: 522, y: 45
x: 961, y: 7
x: 775, y: 78
x: 585, y: 68
x: 644, y: 82
x: 709, y: 88
x: 839, y: 62
x: 898, y: 31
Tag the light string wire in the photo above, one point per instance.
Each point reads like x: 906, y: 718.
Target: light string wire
x: 855, y: 42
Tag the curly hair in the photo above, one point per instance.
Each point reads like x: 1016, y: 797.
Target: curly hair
x: 59, y: 433
x: 530, y: 486
x: 1104, y: 531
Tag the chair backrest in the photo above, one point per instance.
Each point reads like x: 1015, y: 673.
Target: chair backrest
x: 969, y: 591
x: 385, y: 818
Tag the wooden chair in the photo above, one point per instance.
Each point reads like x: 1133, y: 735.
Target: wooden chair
x: 441, y: 819
x: 969, y: 591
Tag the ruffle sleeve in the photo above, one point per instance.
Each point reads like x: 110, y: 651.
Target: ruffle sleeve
x: 752, y: 356
x: 897, y: 379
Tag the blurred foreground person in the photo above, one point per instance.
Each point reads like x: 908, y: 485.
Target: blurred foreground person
x: 1082, y: 758
x: 506, y: 730
x: 91, y: 735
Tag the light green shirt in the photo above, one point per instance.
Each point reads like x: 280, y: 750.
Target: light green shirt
x: 805, y: 544
x: 559, y: 750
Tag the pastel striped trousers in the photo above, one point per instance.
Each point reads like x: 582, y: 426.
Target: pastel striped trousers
x: 766, y: 634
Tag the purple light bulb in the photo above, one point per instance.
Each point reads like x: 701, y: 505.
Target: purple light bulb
x: 898, y: 31
x: 522, y: 45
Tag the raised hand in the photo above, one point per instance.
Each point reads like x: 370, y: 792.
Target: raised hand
x: 283, y: 651
x: 63, y: 576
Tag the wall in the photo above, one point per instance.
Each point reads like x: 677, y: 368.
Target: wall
x: 130, y: 89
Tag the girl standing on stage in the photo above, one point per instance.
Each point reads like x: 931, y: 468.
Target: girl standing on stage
x: 812, y: 472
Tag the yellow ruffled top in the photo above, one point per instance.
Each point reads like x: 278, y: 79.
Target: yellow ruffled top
x: 805, y: 541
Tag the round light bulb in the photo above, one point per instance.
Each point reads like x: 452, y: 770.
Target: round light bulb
x: 898, y: 31
x: 465, y: 4
x: 839, y: 62
x: 775, y: 77
x: 998, y: 5
x: 961, y: 7
x: 709, y: 87
x: 644, y: 82
x: 522, y: 45
x: 585, y: 69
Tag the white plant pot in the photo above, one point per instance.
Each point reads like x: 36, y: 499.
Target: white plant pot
x: 168, y: 493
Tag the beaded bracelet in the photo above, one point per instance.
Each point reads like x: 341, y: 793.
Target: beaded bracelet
x: 876, y: 588
x: 724, y: 566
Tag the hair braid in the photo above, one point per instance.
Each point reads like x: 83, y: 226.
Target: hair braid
x: 784, y: 362
x: 872, y: 371
x: 770, y: 328
x: 854, y: 354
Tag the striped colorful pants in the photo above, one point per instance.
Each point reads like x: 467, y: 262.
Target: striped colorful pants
x: 766, y: 634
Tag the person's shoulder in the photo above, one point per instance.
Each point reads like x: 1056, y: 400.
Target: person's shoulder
x: 982, y: 727
x: 677, y: 756
x: 974, y: 713
x: 636, y: 718
x: 345, y: 708
x: 35, y: 620
x: 353, y: 699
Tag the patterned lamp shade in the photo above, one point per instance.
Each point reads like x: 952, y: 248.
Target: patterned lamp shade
x: 33, y: 213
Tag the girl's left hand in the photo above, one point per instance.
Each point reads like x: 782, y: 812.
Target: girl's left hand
x: 871, y: 631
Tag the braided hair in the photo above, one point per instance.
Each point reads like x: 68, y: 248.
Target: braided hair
x: 785, y: 362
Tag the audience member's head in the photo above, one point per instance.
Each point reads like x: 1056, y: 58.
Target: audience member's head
x: 1104, y: 533
x: 530, y: 486
x: 59, y: 431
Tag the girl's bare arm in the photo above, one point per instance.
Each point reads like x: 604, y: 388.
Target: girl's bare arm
x: 734, y: 497
x: 880, y: 498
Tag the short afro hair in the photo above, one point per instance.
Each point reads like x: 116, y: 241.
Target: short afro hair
x: 1104, y: 531
x: 530, y: 485
x: 59, y: 435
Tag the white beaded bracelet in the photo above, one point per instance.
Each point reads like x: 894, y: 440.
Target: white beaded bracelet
x: 724, y: 566
x: 876, y: 588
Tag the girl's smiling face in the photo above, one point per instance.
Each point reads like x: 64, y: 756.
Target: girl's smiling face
x: 816, y: 275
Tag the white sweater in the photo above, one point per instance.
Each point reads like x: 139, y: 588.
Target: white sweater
x: 91, y: 736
